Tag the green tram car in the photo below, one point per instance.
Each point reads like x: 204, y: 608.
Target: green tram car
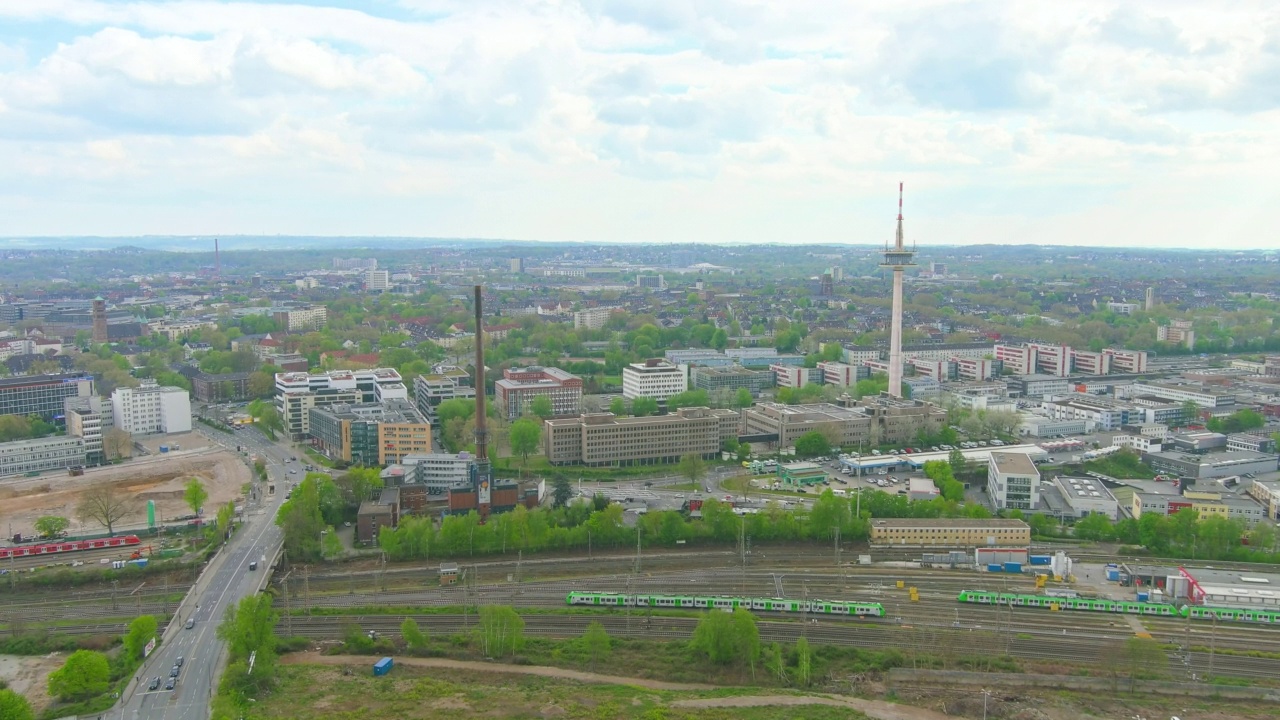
x: 1195, y: 612
x: 727, y: 603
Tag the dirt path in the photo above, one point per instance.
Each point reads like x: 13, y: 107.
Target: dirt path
x: 873, y: 708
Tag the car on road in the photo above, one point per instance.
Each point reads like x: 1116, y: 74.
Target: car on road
x: 180, y: 661
x: 293, y: 472
x: 191, y: 622
x: 155, y: 683
x: 171, y: 683
x: 175, y: 671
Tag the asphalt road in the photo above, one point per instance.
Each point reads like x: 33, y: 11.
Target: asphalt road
x: 224, y: 582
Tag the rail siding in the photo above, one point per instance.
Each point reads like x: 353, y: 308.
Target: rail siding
x: 906, y: 677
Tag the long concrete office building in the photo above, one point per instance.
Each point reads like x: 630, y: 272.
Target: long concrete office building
x: 605, y: 439
x: 42, y: 394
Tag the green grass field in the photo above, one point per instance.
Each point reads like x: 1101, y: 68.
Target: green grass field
x: 313, y: 692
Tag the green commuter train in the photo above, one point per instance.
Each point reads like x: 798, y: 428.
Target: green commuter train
x: 725, y: 602
x: 1195, y: 612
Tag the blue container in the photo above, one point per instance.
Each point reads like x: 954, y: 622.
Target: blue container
x: 1142, y: 596
x: 383, y: 666
x: 140, y: 562
x: 164, y: 448
x: 995, y: 567
x: 1113, y: 574
x: 1013, y: 567
x: 1041, y: 560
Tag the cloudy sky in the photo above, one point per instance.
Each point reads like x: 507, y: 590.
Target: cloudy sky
x: 1076, y: 122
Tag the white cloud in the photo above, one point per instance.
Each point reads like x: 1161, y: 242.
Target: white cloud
x: 717, y: 119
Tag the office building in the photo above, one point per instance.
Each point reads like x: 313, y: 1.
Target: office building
x: 439, y: 472
x: 703, y: 358
x: 300, y: 318
x: 654, y: 378
x: 377, y: 280
x: 1043, y: 427
x: 1203, y: 396
x: 88, y: 418
x: 1251, y: 442
x: 960, y: 532
x: 1013, y: 482
x: 1212, y: 465
x: 42, y: 394
x: 40, y: 454
x: 1098, y: 412
x: 653, y: 282
x: 921, y: 489
x: 445, y: 383
x: 297, y: 392
x: 355, y: 263
x: 790, y: 376
x: 843, y: 374
x: 897, y: 422
x: 222, y: 387
x: 604, y: 439
x: 514, y: 392
x: 1127, y: 361
x: 784, y: 424
x: 517, y: 265
x: 151, y: 409
x: 369, y: 434
x: 1267, y: 493
x: 1031, y: 386
x: 1086, y: 496
x: 1123, y: 308
x: 729, y: 378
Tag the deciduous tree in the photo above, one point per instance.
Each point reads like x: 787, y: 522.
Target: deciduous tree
x: 104, y: 506
x: 248, y: 628
x: 14, y: 707
x: 692, y: 467
x: 501, y: 630
x: 413, y: 635
x: 541, y: 407
x: 596, y: 643
x: 52, y: 526
x: 526, y: 434
x: 195, y: 495
x: 812, y: 444
x: 141, y: 631
x: 85, y: 673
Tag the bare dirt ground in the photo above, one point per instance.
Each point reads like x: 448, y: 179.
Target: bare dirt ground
x: 29, y: 676
x: 154, y: 477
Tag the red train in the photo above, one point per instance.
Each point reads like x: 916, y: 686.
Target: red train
x: 68, y: 546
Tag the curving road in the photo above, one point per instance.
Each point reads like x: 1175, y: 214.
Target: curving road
x: 223, y: 583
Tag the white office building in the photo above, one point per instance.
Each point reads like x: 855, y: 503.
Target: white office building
x: 151, y: 409
x: 1013, y: 482
x: 654, y: 378
x: 377, y: 280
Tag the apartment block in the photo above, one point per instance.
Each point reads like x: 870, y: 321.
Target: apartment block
x: 42, y: 395
x: 1178, y: 332
x: 41, y: 454
x: 604, y: 439
x: 1013, y: 482
x: 1052, y: 359
x: 935, y: 369
x: 1128, y: 361
x: 300, y: 318
x: 515, y: 391
x: 973, y: 368
x: 151, y: 409
x: 593, y: 318
x: 222, y: 387
x: 654, y: 378
x: 369, y: 434
x: 1020, y: 359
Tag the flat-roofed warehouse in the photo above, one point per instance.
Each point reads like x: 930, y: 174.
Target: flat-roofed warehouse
x: 964, y: 532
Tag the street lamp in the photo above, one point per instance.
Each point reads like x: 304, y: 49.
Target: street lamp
x: 986, y: 694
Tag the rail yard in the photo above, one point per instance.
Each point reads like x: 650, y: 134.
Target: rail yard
x: 941, y: 616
